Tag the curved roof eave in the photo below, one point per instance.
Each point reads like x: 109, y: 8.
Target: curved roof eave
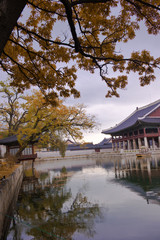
x: 151, y: 120
x: 122, y: 130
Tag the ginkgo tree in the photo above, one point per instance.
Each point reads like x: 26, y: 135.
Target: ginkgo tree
x: 12, y: 109
x: 37, y: 53
x: 33, y: 118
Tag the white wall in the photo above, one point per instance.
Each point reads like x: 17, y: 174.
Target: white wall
x: 2, y: 150
x: 50, y: 154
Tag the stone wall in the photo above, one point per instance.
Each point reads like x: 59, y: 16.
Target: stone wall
x: 9, y: 190
x: 68, y: 153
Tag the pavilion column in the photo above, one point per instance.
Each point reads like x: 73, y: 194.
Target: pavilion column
x: 124, y: 145
x: 116, y: 146
x: 153, y: 143
x: 145, y: 142
x: 139, y: 143
x: 159, y: 141
x: 129, y: 146
x: 120, y: 145
x: 7, y: 149
x: 134, y: 144
x: 112, y: 145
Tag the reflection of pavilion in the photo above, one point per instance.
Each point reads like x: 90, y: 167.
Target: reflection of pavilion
x: 129, y: 167
x: 140, y: 175
x: 42, y: 180
x: 29, y: 184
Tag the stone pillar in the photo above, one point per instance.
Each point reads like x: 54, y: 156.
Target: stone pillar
x: 159, y: 141
x: 112, y: 145
x: 116, y: 146
x: 145, y: 142
x: 134, y: 144
x: 139, y: 143
x: 153, y: 143
x: 129, y: 146
x: 124, y: 145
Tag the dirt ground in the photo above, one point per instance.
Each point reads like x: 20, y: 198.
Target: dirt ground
x: 7, y: 169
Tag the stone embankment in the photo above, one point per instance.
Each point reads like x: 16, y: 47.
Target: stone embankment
x: 83, y: 154
x: 79, y: 154
x: 9, y: 189
x: 90, y: 154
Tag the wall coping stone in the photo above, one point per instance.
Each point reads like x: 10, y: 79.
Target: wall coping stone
x: 9, y: 189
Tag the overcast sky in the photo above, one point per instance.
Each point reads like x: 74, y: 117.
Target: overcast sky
x: 110, y: 111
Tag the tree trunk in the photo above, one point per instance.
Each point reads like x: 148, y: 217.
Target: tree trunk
x: 10, y: 11
x: 21, y: 148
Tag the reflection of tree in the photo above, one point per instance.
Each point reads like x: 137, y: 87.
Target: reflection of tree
x: 62, y: 225
x: 52, y: 214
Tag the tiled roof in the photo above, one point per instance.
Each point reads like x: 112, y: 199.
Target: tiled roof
x: 105, y: 146
x: 7, y: 140
x: 137, y: 115
x: 151, y: 120
x: 13, y: 139
x: 80, y: 147
x: 105, y: 141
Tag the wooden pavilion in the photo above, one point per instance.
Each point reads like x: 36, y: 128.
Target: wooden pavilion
x: 12, y: 147
x: 141, y: 128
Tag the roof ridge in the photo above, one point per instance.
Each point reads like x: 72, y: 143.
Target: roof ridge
x: 148, y: 105
x: 147, y: 114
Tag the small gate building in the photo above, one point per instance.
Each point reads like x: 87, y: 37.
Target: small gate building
x: 12, y: 147
x: 141, y: 128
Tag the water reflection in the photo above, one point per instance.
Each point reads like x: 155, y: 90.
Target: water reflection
x: 48, y: 210
x: 142, y: 172
x: 89, y: 200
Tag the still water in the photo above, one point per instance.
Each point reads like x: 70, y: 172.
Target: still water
x: 109, y: 199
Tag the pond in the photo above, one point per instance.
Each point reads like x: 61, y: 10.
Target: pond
x: 114, y: 199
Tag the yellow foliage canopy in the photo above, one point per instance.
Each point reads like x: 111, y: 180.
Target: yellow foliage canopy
x: 48, y: 123
x: 36, y: 54
x: 43, y: 117
x: 33, y: 118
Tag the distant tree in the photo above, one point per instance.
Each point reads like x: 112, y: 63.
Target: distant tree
x: 35, y: 118
x: 36, y: 54
x: 12, y: 109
